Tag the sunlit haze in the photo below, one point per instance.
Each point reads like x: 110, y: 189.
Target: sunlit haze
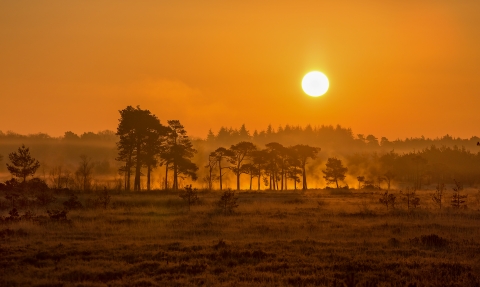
x: 400, y: 68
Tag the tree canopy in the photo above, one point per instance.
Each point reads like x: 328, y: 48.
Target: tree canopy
x: 23, y: 164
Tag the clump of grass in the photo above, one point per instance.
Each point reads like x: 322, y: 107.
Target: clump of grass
x: 294, y: 201
x: 431, y: 241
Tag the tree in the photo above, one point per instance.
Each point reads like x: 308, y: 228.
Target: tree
x: 360, y: 179
x: 238, y: 154
x: 411, y: 198
x: 251, y: 170
x: 190, y: 195
x: 438, y: 195
x: 23, y: 164
x: 212, y: 163
x: 220, y: 154
x: 84, y: 171
x: 458, y: 200
x: 389, y: 176
x: 178, y: 151
x: 258, y: 158
x: 228, y: 201
x: 304, y: 152
x: 293, y: 170
x: 277, y: 155
x: 388, y: 199
x: 137, y: 129
x: 152, y: 148
x: 335, y: 171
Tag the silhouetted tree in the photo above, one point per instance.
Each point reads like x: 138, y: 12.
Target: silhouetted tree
x: 23, y: 164
x: 258, y: 158
x: 360, y: 179
x: 220, y: 154
x: 136, y: 128
x: 304, y: 152
x: 293, y: 170
x: 335, y: 171
x: 411, y: 198
x: 388, y: 199
x: 84, y: 171
x: 212, y: 163
x: 251, y: 170
x: 438, y: 195
x: 239, y: 152
x: 276, y: 155
x: 190, y: 195
x: 389, y: 176
x: 458, y: 200
x: 178, y: 152
x: 228, y: 201
x: 153, y: 147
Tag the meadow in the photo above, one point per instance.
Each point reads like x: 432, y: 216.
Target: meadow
x: 322, y: 237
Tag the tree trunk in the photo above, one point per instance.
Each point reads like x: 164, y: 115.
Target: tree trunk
x: 220, y: 169
x: 282, y: 178
x: 175, y: 183
x: 238, y: 179
x: 149, y: 169
x: 128, y: 166
x: 304, y: 175
x: 166, y: 176
x: 136, y: 184
x: 259, y: 175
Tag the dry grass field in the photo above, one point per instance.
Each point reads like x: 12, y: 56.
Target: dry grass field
x: 314, y: 238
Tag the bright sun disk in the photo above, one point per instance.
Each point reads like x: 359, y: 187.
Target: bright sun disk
x: 315, y: 84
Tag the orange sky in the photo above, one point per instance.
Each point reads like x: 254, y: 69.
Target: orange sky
x: 396, y: 68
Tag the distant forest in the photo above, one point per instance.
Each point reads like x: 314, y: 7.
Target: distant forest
x: 370, y: 162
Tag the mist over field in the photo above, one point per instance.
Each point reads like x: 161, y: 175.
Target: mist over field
x: 363, y: 154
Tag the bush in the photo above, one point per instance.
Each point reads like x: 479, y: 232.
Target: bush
x: 72, y: 202
x: 57, y: 215
x: 44, y: 198
x: 388, y: 199
x: 189, y: 195
x: 228, y: 202
x: 103, y: 199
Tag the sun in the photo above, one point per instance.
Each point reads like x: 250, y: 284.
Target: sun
x: 315, y: 84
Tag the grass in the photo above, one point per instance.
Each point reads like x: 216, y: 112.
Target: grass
x: 314, y: 238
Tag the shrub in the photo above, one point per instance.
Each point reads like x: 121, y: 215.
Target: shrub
x: 388, y: 199
x: 72, y: 202
x: 29, y: 215
x: 102, y: 200
x: 57, y: 214
x: 44, y: 198
x: 411, y: 198
x: 14, y: 216
x: 190, y: 195
x: 228, y: 202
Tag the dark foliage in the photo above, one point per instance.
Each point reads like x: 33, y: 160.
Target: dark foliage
x: 228, y: 202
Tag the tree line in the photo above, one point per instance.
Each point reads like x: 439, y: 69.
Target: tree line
x: 145, y: 143
x: 275, y: 162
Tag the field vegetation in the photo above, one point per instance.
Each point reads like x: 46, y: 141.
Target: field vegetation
x: 327, y: 237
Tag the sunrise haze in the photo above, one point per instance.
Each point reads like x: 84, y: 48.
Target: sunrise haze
x: 396, y: 68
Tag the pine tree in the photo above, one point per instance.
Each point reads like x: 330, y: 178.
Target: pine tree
x: 23, y: 164
x: 335, y: 171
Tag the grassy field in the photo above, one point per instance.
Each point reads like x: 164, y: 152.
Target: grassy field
x: 314, y: 238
